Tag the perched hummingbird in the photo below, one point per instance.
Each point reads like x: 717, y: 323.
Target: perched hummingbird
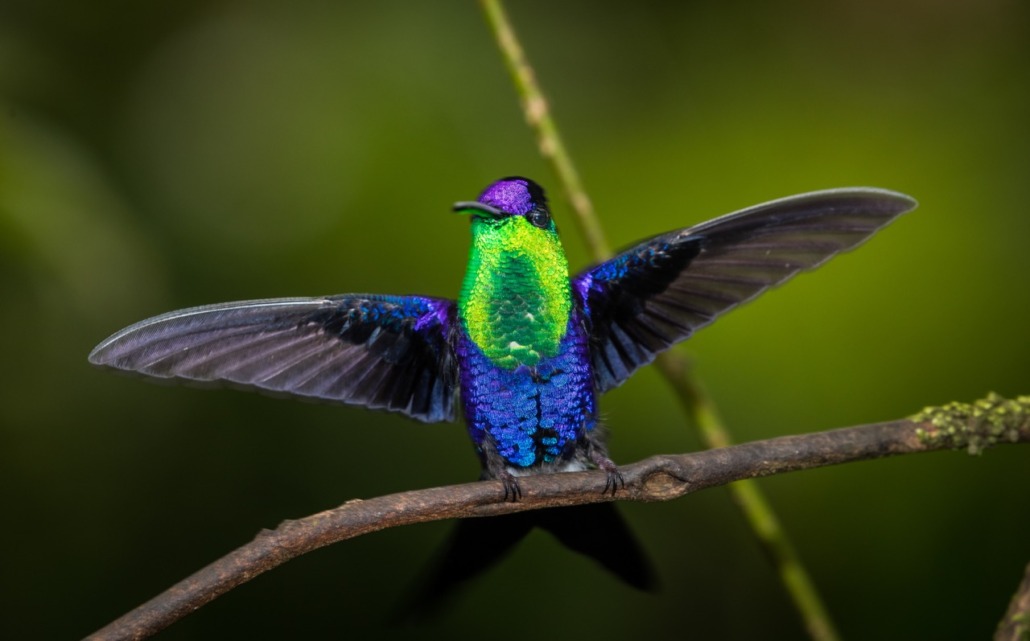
x: 527, y: 348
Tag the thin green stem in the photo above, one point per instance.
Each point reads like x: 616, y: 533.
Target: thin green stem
x: 538, y: 116
x: 748, y: 496
x: 698, y: 405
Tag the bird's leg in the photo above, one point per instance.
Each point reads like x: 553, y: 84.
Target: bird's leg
x: 597, y: 452
x: 495, y: 467
x: 614, y: 480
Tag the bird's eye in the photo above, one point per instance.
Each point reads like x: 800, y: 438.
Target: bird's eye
x: 539, y: 218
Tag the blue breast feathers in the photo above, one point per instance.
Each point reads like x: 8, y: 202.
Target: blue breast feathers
x: 530, y: 416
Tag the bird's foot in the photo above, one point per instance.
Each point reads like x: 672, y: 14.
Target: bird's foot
x: 614, y: 480
x: 512, y: 489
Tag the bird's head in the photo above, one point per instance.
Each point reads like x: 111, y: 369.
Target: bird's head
x: 513, y: 200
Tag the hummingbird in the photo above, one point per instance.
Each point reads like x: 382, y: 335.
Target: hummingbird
x: 527, y: 348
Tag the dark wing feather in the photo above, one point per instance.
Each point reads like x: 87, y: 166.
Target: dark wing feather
x: 659, y: 292
x: 381, y: 352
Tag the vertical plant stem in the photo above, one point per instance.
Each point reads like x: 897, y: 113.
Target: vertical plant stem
x: 748, y: 496
x: 538, y: 116
x: 699, y: 407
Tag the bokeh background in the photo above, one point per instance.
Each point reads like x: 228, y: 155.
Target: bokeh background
x: 161, y: 155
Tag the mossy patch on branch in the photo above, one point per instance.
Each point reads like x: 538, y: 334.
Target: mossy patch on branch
x: 974, y: 426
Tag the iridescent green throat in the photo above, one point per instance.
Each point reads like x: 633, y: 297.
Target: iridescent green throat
x: 516, y: 300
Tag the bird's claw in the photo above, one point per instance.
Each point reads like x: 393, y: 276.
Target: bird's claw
x: 615, y: 481
x: 512, y: 489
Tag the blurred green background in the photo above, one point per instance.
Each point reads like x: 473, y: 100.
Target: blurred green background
x: 162, y: 155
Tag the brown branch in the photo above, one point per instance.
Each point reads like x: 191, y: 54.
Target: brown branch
x: 1015, y: 625
x: 974, y: 427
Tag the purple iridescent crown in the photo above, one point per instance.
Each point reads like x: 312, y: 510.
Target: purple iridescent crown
x: 515, y: 195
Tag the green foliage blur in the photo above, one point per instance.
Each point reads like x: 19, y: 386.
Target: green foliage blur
x: 159, y: 155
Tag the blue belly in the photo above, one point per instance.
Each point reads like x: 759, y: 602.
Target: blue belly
x: 530, y: 416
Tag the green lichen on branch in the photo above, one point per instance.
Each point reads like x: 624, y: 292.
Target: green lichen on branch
x: 1020, y: 623
x: 974, y: 426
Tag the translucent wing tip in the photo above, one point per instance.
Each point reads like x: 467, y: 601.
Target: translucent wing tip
x: 96, y: 357
x: 882, y: 204
x: 893, y: 202
x: 101, y: 355
x: 111, y: 351
x: 887, y: 197
x: 901, y: 203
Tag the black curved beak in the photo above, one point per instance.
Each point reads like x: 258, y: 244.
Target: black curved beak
x: 477, y: 208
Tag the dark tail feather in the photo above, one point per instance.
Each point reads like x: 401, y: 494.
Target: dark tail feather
x: 596, y: 530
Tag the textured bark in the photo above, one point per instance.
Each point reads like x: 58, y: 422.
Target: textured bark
x: 658, y: 478
x: 1015, y: 625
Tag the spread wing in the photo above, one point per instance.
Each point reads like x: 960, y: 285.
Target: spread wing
x: 659, y: 292
x: 388, y: 352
